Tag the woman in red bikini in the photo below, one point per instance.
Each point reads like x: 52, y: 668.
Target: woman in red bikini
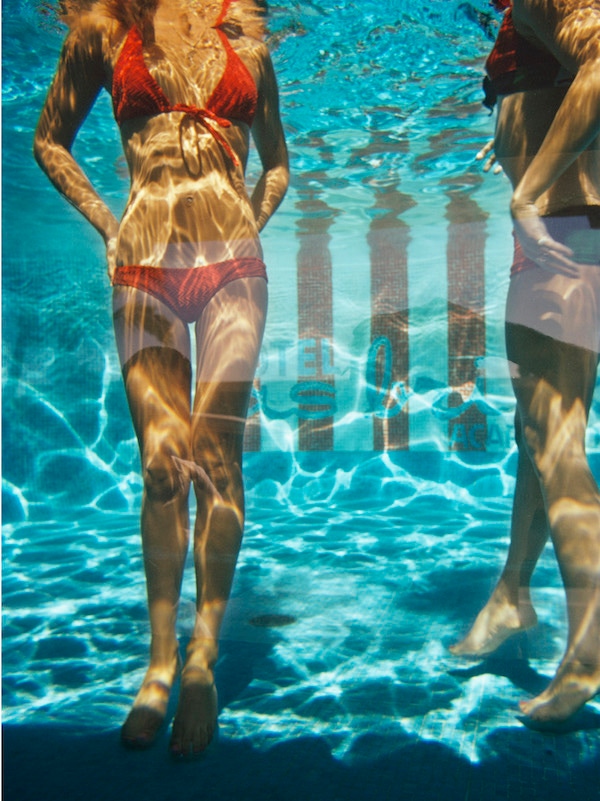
x: 545, y: 69
x: 189, y: 82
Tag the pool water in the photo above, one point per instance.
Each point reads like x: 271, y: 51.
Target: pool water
x: 379, y: 465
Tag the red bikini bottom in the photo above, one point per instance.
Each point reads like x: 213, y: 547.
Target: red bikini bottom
x: 187, y: 290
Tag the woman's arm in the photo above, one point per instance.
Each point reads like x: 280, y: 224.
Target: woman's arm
x: 571, y: 31
x: 577, y: 122
x: 267, y: 132
x: 79, y: 78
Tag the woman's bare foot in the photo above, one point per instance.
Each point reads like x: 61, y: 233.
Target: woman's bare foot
x: 577, y: 679
x: 150, y: 707
x: 196, y: 716
x: 573, y: 685
x: 498, y: 620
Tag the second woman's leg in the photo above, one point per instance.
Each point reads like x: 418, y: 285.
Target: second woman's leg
x: 554, y: 386
x: 550, y: 334
x: 229, y: 336
x: 509, y: 609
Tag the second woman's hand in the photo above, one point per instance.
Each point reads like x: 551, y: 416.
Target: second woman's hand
x: 536, y: 242
x: 487, y: 152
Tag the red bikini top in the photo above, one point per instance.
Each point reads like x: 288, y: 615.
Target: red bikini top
x: 516, y: 65
x: 135, y: 93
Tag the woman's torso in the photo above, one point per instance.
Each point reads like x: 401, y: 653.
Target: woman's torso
x: 520, y: 60
x: 188, y: 204
x: 523, y: 122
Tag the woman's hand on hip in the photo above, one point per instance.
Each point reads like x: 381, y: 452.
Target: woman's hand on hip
x: 536, y: 242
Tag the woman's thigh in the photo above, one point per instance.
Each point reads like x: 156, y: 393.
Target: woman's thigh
x: 229, y: 332
x: 228, y: 339
x: 228, y: 335
x: 142, y: 321
x: 154, y: 350
x: 554, y: 384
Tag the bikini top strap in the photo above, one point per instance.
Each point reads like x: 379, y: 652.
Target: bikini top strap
x: 223, y: 13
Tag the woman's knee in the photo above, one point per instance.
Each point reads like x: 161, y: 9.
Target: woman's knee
x: 225, y: 475
x: 165, y: 474
x: 218, y: 473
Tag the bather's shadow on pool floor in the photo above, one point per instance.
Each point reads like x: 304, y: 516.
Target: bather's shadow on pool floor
x: 271, y: 761
x: 269, y: 749
x: 55, y: 763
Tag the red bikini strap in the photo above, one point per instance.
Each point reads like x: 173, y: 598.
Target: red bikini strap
x: 223, y: 14
x: 202, y: 115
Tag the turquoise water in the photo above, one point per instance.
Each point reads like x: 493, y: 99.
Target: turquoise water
x: 375, y: 559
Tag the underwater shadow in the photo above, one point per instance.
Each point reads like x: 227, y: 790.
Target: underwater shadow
x: 509, y: 661
x: 519, y: 672
x: 57, y: 762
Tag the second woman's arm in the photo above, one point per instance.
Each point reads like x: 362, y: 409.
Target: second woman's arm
x: 572, y: 33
